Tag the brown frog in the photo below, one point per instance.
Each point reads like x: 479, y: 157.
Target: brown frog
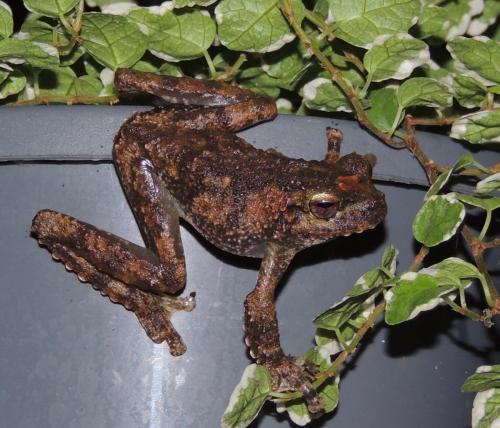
x: 185, y: 162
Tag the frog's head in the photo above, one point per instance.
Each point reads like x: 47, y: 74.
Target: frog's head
x: 344, y: 202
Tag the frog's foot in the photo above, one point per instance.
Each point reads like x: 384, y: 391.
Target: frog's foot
x: 288, y: 375
x: 153, y: 311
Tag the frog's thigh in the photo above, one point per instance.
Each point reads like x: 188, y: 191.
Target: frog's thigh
x: 152, y: 311
x: 108, y: 253
x: 155, y: 214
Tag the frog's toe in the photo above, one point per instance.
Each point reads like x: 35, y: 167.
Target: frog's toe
x: 287, y: 375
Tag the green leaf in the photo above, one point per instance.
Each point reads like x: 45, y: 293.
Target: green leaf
x: 297, y: 411
x: 63, y: 81
x: 395, y: 57
x: 322, y: 94
x: 485, y: 377
x: 13, y: 84
x: 178, y: 35
x: 53, y: 8
x: 330, y: 394
x: 423, y: 91
x: 489, y: 184
x: 255, y: 79
x: 481, y: 23
x: 479, y: 57
x: 112, y: 40
x: 469, y: 92
x: 414, y: 293
x: 6, y: 20
x: 389, y: 259
x: 360, y: 22
x: 486, y: 409
x: 458, y: 16
x: 191, y: 3
x: 287, y: 65
x: 433, y: 22
x: 452, y: 271
x: 383, y: 108
x: 438, y: 220
x: 36, y: 54
x: 252, y: 25
x: 478, y: 128
x: 248, y: 397
x: 486, y: 202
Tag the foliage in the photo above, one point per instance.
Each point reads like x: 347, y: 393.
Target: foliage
x: 394, y: 63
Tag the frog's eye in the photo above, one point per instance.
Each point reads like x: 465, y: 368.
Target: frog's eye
x: 323, y: 206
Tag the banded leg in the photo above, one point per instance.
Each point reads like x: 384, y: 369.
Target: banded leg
x: 262, y: 333
x: 82, y: 248
x: 221, y: 106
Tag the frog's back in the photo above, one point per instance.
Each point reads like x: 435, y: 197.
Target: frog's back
x: 230, y: 191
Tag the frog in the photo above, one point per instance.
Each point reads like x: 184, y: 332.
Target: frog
x: 184, y: 161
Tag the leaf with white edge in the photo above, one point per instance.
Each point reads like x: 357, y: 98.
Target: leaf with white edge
x: 478, y: 128
x: 459, y: 14
x: 486, y: 409
x: 414, y: 293
x: 56, y: 81
x: 287, y: 65
x: 176, y: 35
x: 438, y: 220
x: 254, y: 25
x: 36, y: 54
x: 324, y: 95
x: 170, y: 70
x: 462, y: 162
x: 478, y: 57
x: 383, y: 108
x: 423, y: 91
x: 433, y: 22
x: 112, y: 40
x: 248, y: 397
x: 486, y: 202
x: 13, y: 84
x: 255, y: 79
x: 3, y: 75
x: 54, y: 8
x: 489, y: 184
x: 395, y: 57
x: 6, y: 20
x: 297, y: 411
x: 330, y: 394
x: 389, y: 259
x: 485, y: 377
x: 454, y: 272
x: 488, y: 17
x: 360, y: 22
x: 469, y: 92
x: 191, y: 3
x: 339, y: 314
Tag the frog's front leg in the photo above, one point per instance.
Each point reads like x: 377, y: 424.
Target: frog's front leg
x: 261, y: 328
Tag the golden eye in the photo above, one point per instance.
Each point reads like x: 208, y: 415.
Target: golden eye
x: 323, y: 206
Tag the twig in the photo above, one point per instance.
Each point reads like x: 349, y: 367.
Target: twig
x: 337, y: 77
x: 419, y: 258
x: 432, y: 169
x: 232, y: 70
x: 62, y: 99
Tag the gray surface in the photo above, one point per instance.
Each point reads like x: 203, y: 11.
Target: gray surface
x: 70, y: 358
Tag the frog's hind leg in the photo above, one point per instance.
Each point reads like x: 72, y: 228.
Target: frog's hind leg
x: 117, y: 268
x: 221, y: 106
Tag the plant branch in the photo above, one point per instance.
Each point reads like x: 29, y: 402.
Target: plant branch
x: 337, y: 77
x: 69, y: 100
x: 419, y: 258
x: 229, y: 72
x: 432, y: 169
x: 476, y: 247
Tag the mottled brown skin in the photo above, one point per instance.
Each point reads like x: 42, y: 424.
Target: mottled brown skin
x: 185, y: 161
